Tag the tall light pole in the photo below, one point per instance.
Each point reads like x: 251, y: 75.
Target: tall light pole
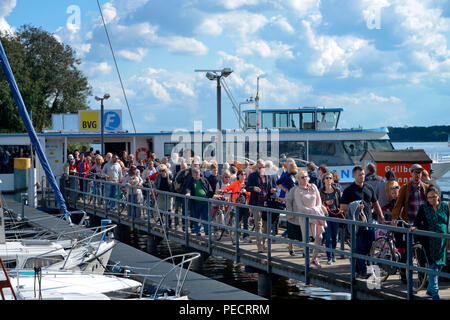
x: 217, y: 75
x: 102, y: 121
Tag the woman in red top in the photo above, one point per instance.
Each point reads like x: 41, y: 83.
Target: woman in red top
x: 82, y: 169
x: 235, y: 187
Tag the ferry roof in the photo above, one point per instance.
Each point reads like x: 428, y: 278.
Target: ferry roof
x: 304, y: 109
x: 128, y: 134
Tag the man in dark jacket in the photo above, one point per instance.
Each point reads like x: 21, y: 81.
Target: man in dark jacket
x: 198, y: 186
x: 260, y: 186
x: 377, y: 183
x: 313, y: 177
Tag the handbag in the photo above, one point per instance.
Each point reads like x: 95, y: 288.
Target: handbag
x: 336, y: 213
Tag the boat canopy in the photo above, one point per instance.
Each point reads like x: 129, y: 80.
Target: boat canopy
x: 306, y: 118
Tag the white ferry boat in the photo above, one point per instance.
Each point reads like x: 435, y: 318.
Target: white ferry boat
x: 306, y: 134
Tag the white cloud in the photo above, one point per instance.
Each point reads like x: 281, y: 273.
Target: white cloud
x: 95, y: 69
x: 368, y: 109
x: 109, y: 12
x: 185, y: 45
x: 276, y: 87
x: 334, y: 54
x: 240, y: 23
x: 6, y: 7
x: 282, y: 23
x: 157, y: 89
x: 165, y: 85
x: 392, y: 99
x: 137, y: 55
x: 234, y: 4
x: 303, y: 7
x: 266, y: 49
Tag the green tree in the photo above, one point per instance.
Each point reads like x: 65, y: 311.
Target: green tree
x: 47, y: 74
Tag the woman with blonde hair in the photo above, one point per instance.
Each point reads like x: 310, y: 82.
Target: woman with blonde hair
x: 305, y: 198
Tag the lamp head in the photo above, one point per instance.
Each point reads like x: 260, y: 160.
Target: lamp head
x: 211, y: 76
x: 106, y: 96
x: 226, y: 72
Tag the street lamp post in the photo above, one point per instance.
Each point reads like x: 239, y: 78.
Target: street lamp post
x: 217, y: 75
x: 102, y: 121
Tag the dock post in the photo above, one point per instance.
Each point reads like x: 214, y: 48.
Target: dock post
x: 265, y: 285
x: 152, y: 244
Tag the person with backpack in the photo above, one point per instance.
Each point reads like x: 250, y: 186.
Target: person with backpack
x: 240, y: 195
x: 260, y: 187
x: 364, y: 193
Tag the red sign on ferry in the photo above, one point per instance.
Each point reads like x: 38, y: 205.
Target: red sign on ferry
x: 401, y: 170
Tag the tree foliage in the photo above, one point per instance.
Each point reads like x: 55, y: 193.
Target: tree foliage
x: 47, y: 75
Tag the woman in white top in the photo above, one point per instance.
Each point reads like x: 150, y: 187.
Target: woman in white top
x: 305, y: 198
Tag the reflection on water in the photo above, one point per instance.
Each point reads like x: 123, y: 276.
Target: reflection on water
x: 236, y: 274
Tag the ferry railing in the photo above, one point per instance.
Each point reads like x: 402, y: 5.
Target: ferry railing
x: 163, y: 216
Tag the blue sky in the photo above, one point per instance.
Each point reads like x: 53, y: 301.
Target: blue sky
x: 386, y: 62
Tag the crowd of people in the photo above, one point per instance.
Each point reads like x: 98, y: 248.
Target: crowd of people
x: 311, y: 190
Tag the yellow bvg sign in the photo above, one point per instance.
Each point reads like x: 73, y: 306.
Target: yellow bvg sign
x: 89, y: 120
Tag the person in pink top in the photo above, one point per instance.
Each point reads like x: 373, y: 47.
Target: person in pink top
x: 305, y: 198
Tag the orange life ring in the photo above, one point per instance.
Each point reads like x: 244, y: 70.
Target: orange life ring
x: 138, y: 151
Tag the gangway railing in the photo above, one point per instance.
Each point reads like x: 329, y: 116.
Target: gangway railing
x: 148, y: 213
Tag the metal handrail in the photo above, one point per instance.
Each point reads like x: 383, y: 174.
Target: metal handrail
x: 269, y: 237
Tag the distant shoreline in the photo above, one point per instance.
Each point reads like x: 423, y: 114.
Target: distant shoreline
x: 419, y: 134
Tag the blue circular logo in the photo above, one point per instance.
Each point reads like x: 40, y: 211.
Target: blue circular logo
x: 112, y: 121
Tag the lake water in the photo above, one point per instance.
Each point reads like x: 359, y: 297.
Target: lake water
x: 430, y: 148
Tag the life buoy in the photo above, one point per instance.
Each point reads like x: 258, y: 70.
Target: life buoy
x: 140, y: 150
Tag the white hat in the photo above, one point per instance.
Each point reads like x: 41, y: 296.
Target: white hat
x: 416, y: 166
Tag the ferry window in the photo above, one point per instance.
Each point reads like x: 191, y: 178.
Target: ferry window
x: 331, y: 153
x: 308, y: 120
x: 293, y: 149
x: 356, y: 148
x: 294, y: 120
x: 327, y: 120
x: 182, y: 149
x: 168, y: 147
x: 281, y: 120
x: 251, y: 119
x: 380, y: 145
x: 8, y: 153
x: 267, y: 120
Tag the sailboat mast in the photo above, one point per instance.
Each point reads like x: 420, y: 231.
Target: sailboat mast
x: 30, y: 129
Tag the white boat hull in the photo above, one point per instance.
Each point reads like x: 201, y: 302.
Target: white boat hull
x: 68, y: 285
